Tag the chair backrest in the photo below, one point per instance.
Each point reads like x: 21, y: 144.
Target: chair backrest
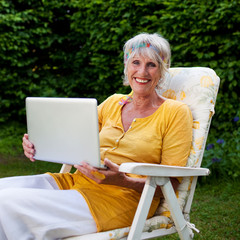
x: 198, y: 88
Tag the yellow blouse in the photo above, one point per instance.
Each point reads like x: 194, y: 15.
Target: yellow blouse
x: 162, y: 138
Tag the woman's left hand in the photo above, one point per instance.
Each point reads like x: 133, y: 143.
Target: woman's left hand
x: 110, y: 176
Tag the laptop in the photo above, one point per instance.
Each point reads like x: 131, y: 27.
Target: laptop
x: 64, y: 130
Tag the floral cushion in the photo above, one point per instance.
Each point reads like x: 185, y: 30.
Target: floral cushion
x: 197, y: 87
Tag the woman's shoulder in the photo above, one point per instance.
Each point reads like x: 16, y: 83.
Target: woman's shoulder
x: 171, y: 105
x: 111, y: 104
x: 115, y: 98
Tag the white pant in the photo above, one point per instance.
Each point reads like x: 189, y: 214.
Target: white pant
x: 33, y: 207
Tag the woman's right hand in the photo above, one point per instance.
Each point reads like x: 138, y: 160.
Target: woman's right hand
x: 28, y: 148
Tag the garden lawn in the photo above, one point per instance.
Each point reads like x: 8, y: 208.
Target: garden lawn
x: 216, y: 211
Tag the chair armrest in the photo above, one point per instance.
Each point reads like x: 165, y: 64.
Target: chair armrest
x: 65, y: 168
x: 158, y: 170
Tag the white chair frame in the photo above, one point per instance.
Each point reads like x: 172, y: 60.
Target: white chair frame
x: 159, y: 175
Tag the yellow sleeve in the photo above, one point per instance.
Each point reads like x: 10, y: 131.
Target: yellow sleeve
x: 177, y: 139
x: 101, y: 110
x: 100, y: 115
x: 105, y: 107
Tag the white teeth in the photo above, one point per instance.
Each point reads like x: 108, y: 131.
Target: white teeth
x: 141, y: 80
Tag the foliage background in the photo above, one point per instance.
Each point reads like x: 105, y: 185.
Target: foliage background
x: 73, y: 48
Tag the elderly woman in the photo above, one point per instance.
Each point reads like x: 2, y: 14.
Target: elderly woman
x: 139, y: 127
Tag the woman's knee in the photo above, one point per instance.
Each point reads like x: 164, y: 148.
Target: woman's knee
x: 11, y: 199
x: 7, y: 197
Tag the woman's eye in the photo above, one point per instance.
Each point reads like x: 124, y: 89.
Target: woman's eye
x: 151, y: 64
x: 136, y: 62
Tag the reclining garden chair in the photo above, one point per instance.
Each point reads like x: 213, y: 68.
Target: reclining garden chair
x: 197, y: 87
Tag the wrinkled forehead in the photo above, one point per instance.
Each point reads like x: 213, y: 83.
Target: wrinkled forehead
x: 143, y: 51
x: 146, y: 53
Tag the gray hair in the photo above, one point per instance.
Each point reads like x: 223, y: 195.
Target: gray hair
x: 153, y: 46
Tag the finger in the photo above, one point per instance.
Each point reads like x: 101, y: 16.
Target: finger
x: 88, y: 167
x: 29, y: 155
x: 26, y: 135
x: 29, y: 150
x: 80, y: 168
x: 26, y: 142
x: 112, y: 166
x: 84, y: 168
x: 32, y: 159
x: 90, y: 172
x: 25, y: 138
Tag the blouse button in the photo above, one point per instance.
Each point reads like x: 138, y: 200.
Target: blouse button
x: 117, y: 140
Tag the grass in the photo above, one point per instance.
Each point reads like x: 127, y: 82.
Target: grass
x: 215, y: 210
x: 12, y: 160
x: 14, y: 166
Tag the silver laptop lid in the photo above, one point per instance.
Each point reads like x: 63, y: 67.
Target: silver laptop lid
x: 64, y: 130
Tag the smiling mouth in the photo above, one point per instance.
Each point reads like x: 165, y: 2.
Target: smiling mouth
x: 140, y: 80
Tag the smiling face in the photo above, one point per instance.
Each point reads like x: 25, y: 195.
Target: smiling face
x: 143, y: 74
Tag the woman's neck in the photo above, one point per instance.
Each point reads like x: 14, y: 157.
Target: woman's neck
x: 141, y: 103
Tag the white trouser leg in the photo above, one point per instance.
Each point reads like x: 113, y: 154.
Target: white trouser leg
x: 44, y: 214
x: 43, y: 181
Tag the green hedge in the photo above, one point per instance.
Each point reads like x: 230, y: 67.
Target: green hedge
x: 74, y: 48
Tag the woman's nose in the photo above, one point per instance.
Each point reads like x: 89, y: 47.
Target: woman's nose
x: 142, y: 70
